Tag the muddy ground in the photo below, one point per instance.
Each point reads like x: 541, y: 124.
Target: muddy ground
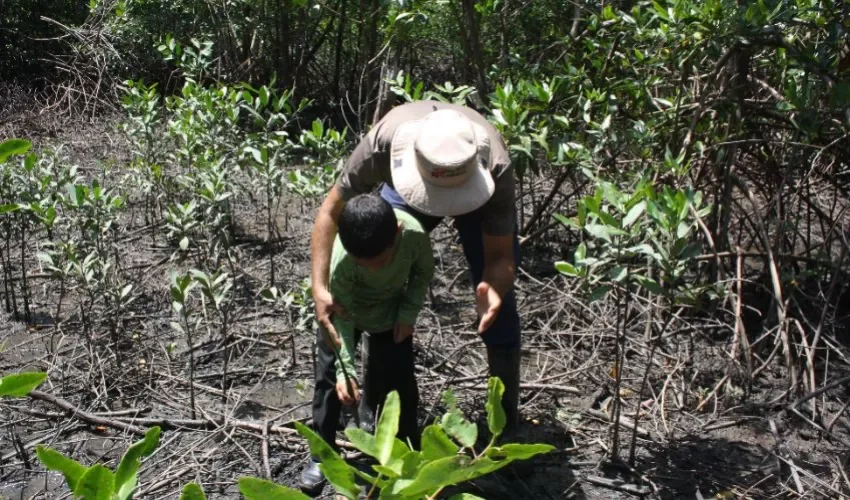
x: 694, y: 442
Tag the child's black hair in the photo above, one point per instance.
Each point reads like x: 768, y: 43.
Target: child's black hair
x: 367, y: 226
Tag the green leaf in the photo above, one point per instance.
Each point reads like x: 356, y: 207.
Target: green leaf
x: 56, y: 461
x: 193, y: 491
x: 20, y: 385
x: 649, y: 284
x: 13, y: 147
x: 566, y: 268
x: 635, y: 212
x: 97, y: 483
x: 446, y: 472
x: 336, y: 471
x: 683, y: 230
x: 436, y: 444
x: 599, y: 292
x: 645, y: 249
x: 387, y: 428
x: 618, y: 273
x: 254, y: 488
x: 465, y: 496
x: 495, y: 411
x: 458, y: 427
x: 125, y: 474
x: 599, y: 231
x: 9, y: 207
x: 363, y: 441
x: 569, y: 222
x: 519, y: 451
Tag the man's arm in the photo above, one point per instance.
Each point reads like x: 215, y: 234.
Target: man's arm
x: 498, y: 238
x: 321, y: 244
x: 360, y: 175
x: 498, y: 279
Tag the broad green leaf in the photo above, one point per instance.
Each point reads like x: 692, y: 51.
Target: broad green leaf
x: 683, y: 230
x: 599, y: 292
x: 618, y: 273
x: 495, y: 410
x: 387, y: 428
x: 581, y: 252
x: 566, y: 268
x: 458, y: 427
x: 56, y: 461
x: 645, y: 249
x: 363, y: 441
x: 436, y: 444
x: 446, y: 472
x: 13, y: 147
x: 609, y: 219
x: 254, y: 488
x: 650, y: 284
x: 336, y: 471
x: 192, y: 491
x: 9, y: 207
x: 125, y: 474
x: 465, y: 496
x: 603, y: 232
x: 519, y: 451
x: 20, y: 385
x: 97, y: 483
x: 634, y: 213
x: 569, y: 222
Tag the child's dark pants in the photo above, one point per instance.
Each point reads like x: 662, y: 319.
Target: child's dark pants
x: 387, y: 366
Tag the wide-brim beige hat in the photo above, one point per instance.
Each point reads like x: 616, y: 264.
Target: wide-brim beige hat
x: 439, y: 164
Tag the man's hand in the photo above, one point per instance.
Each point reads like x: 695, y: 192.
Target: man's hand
x: 325, y: 309
x: 344, y: 396
x: 488, y: 303
x: 401, y: 332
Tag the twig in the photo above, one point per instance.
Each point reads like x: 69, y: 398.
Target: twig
x: 618, y: 484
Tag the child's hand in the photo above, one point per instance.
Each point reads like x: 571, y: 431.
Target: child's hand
x: 401, y: 332
x: 343, y: 395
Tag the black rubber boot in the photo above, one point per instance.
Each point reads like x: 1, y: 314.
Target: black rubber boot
x: 312, y: 480
x: 504, y: 363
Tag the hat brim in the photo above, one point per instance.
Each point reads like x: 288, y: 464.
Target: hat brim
x: 431, y: 199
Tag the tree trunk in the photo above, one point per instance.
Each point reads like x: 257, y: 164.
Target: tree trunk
x: 338, y: 48
x: 470, y: 19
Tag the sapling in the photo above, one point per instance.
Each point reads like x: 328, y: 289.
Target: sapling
x: 629, y: 234
x: 181, y: 286
x: 216, y: 288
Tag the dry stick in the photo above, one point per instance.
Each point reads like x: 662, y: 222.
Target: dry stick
x: 777, y: 286
x: 73, y: 411
x: 818, y: 392
x: 264, y: 451
x: 740, y: 331
x: 838, y: 415
x: 619, y: 485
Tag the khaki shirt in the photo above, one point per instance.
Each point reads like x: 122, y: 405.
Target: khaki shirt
x: 369, y: 164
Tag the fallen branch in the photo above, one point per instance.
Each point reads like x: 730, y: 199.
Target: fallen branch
x: 625, y: 422
x: 74, y: 412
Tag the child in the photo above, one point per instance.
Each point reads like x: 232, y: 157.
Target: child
x: 380, y: 269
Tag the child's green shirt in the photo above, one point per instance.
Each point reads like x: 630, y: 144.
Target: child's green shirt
x: 375, y: 301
